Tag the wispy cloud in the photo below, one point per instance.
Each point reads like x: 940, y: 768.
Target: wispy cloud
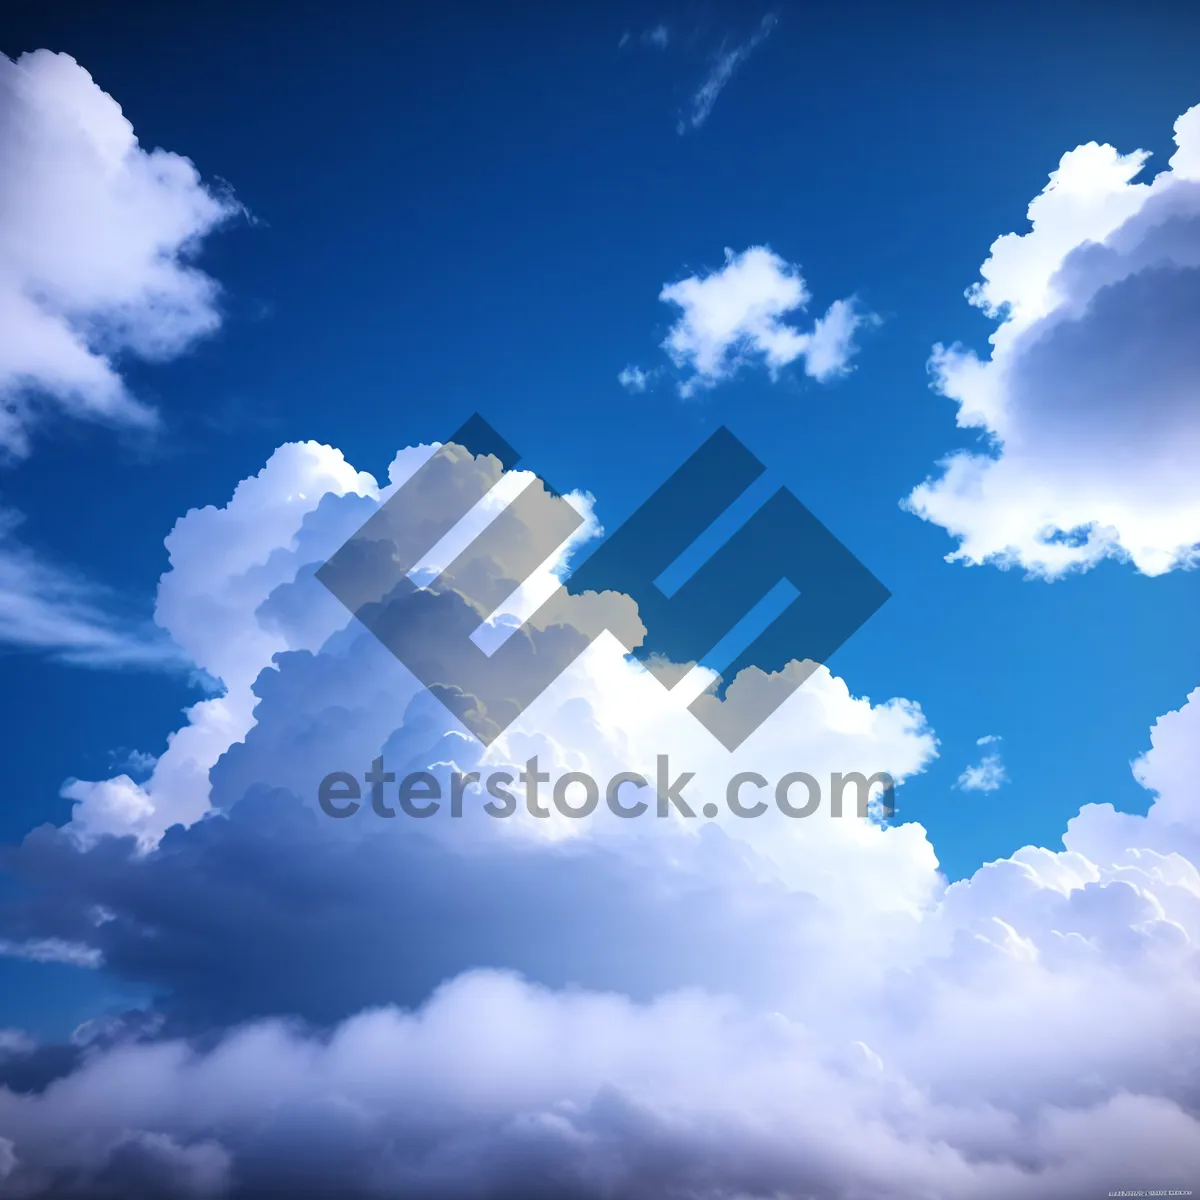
x: 47, y: 608
x: 988, y: 774
x: 657, y: 36
x: 634, y: 379
x: 97, y: 258
x: 726, y: 63
x: 52, y: 950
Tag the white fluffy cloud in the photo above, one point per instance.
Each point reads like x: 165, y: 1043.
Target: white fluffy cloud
x: 768, y: 1007
x: 708, y: 1009
x: 240, y: 593
x: 96, y: 234
x: 1089, y: 395
x: 736, y: 315
x: 928, y: 1077
x: 225, y: 562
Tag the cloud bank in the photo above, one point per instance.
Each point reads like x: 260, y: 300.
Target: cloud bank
x: 988, y: 774
x: 472, y: 1007
x: 1088, y: 399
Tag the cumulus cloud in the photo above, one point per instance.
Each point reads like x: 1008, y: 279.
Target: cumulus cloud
x: 736, y: 315
x: 225, y: 563
x: 522, y: 1007
x: 97, y: 235
x: 498, y: 1085
x: 1088, y: 397
x: 724, y: 65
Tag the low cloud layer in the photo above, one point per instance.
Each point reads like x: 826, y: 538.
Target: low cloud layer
x: 1088, y: 397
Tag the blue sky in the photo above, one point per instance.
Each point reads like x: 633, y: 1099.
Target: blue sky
x: 437, y: 228
x: 433, y: 212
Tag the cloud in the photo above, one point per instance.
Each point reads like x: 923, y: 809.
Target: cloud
x: 634, y: 379
x: 52, y: 950
x: 225, y: 563
x: 1087, y: 399
x: 724, y: 66
x: 576, y: 1095
x: 734, y: 315
x: 96, y: 241
x: 525, y: 1007
x: 988, y: 775
x: 47, y: 608
x: 658, y: 36
x: 879, y: 1079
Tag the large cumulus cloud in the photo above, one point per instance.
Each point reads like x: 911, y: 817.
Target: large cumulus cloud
x: 1090, y: 398
x: 524, y: 1007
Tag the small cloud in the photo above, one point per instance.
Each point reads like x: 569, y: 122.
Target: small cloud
x: 659, y: 36
x: 624, y: 40
x: 53, y: 950
x: 988, y: 774
x: 135, y: 763
x: 723, y: 68
x: 634, y: 379
x: 734, y: 315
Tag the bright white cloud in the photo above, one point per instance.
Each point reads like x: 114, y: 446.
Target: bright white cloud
x: 225, y: 562
x: 96, y: 235
x: 1088, y: 398
x: 736, y: 315
x: 725, y: 64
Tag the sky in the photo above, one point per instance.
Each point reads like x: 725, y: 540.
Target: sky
x: 936, y: 269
